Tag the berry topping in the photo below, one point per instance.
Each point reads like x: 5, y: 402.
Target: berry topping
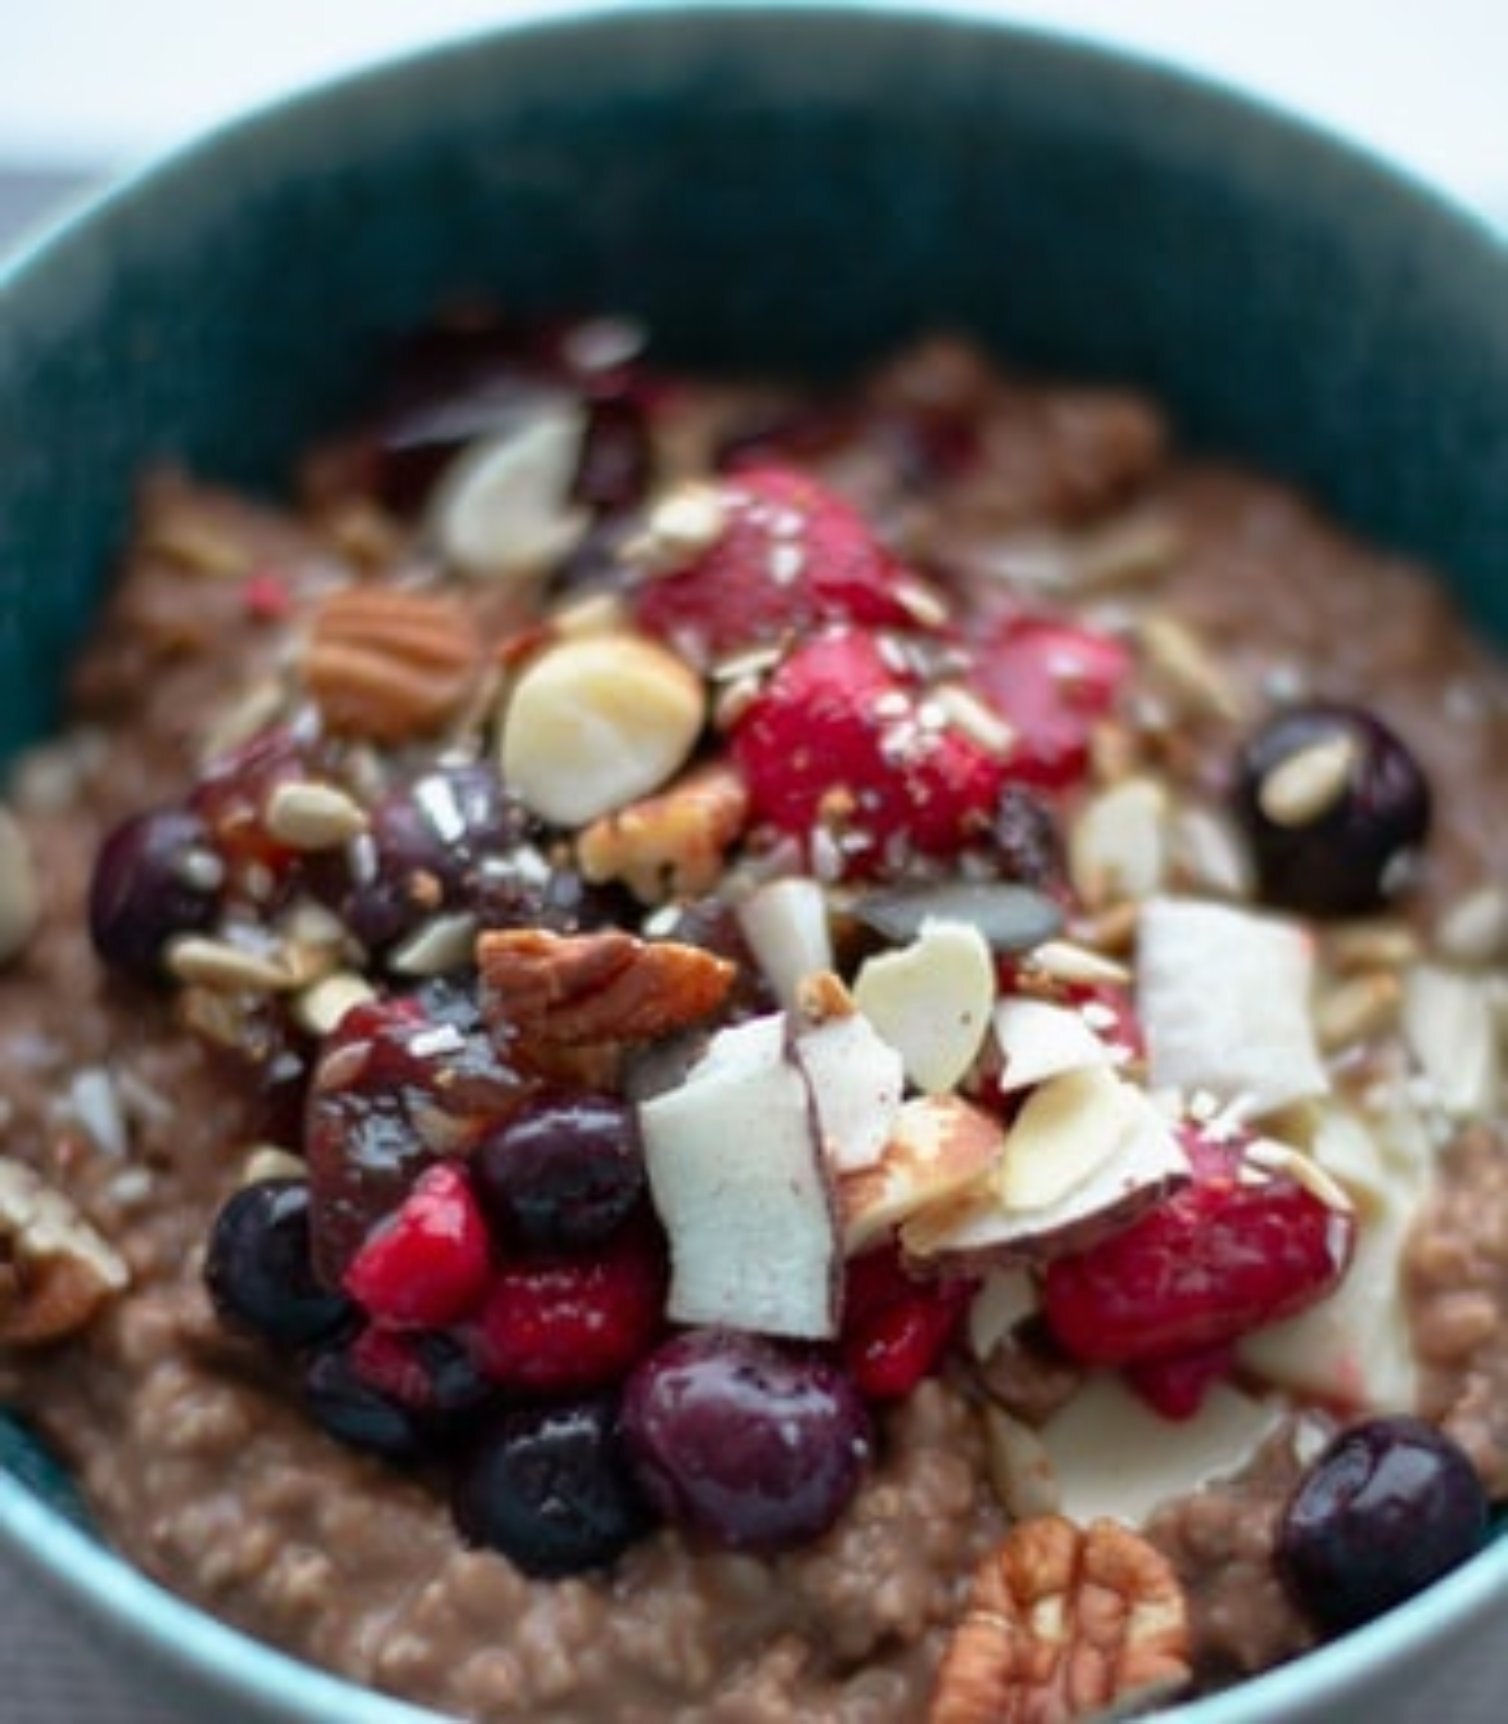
x: 430, y: 1373
x: 355, y: 1413
x: 896, y: 1329
x: 258, y: 1268
x: 155, y: 877
x: 840, y: 740
x: 548, y: 1487
x: 1053, y: 682
x: 565, y: 1172
x: 233, y: 794
x: 1336, y: 809
x: 1235, y: 1248
x: 789, y: 557
x: 428, y: 1263
x: 754, y: 1446
x: 1176, y: 1386
x: 567, y: 1325
x: 1389, y: 1507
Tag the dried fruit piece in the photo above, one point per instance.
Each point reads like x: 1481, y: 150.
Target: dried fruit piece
x: 56, y: 1270
x: 387, y: 665
x: 671, y: 845
x: 1062, y: 1622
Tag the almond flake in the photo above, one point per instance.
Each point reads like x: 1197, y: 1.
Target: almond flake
x: 1064, y: 961
x: 319, y: 1009
x: 441, y: 944
x: 311, y: 816
x: 1039, y: 1040
x: 1068, y: 1129
x: 939, y: 1148
x: 265, y: 1161
x: 1006, y: 1298
x: 786, y: 925
x: 1474, y: 930
x: 1188, y: 669
x: 1305, y: 786
x: 1020, y: 1468
x: 1118, y: 845
x: 932, y: 1001
x: 1362, y: 1007
x: 682, y: 525
x: 1450, y: 1028
x: 198, y: 961
x: 1210, y: 854
x: 857, y: 1081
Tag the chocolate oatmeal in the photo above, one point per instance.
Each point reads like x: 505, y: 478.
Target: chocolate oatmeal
x: 685, y: 1050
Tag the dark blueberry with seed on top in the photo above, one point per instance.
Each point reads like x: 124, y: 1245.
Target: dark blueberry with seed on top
x: 156, y: 877
x: 1389, y: 1507
x: 1336, y: 809
x: 259, y: 1270
x: 549, y: 1487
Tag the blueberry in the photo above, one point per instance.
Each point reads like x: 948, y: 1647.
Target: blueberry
x: 258, y: 1268
x: 548, y: 1487
x: 753, y: 1445
x: 155, y: 876
x: 1353, y: 848
x: 349, y: 1409
x: 1389, y: 1507
x: 563, y: 1173
x: 431, y: 1372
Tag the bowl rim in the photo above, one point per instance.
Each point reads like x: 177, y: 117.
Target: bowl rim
x: 188, y: 1641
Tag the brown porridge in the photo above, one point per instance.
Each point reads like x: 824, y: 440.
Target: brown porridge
x: 746, y: 1034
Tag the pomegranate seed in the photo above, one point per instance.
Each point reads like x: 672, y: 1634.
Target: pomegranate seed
x: 430, y: 1263
x: 896, y: 1329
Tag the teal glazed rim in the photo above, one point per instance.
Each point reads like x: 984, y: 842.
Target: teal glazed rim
x: 189, y: 1649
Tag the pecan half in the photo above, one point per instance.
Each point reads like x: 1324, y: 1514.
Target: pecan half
x: 55, y: 1269
x: 670, y: 845
x: 580, y: 990
x: 388, y: 665
x: 1064, y: 1621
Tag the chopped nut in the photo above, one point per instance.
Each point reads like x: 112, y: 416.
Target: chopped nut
x: 388, y: 666
x: 1188, y: 670
x: 55, y: 1269
x: 1064, y: 962
x: 199, y: 961
x: 1021, y: 1470
x: 441, y: 944
x: 310, y: 816
x: 577, y: 990
x: 685, y: 522
x: 1308, y: 784
x: 1064, y: 1621
x: 670, y: 845
x: 20, y: 899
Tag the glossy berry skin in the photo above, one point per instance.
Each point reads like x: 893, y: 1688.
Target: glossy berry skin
x: 1389, y: 1507
x: 1218, y: 1258
x: 896, y: 1329
x: 568, y: 1325
x: 549, y: 1488
x: 258, y: 1269
x: 429, y: 1262
x: 1176, y: 1386
x: 791, y: 557
x: 358, y: 1415
x: 751, y: 1445
x: 232, y: 794
x: 1053, y: 682
x: 430, y: 1372
x: 1354, y: 855
x: 564, y: 1173
x: 144, y: 890
x: 839, y: 739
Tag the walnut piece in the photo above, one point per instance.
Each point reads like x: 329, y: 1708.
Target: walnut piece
x: 55, y: 1269
x: 672, y: 844
x: 1062, y: 1622
x: 387, y: 665
x: 543, y: 990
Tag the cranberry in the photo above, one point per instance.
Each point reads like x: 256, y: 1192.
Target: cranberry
x: 754, y: 1446
x: 258, y: 1268
x: 549, y: 1488
x: 156, y: 876
x: 565, y: 1325
x: 1389, y: 1507
x: 565, y: 1172
x: 428, y: 1263
x: 1357, y: 849
x: 896, y: 1329
x: 1177, y: 1385
x: 1219, y: 1258
x: 354, y: 1413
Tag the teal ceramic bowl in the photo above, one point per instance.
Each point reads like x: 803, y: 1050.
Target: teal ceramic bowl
x: 791, y: 186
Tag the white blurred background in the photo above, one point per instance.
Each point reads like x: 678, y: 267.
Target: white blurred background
x: 95, y: 83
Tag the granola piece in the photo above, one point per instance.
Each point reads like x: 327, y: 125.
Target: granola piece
x: 670, y: 845
x: 56, y: 1270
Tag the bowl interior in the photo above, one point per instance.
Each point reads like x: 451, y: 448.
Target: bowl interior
x: 770, y: 188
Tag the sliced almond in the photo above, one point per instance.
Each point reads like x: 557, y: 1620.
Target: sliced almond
x: 1450, y: 1027
x: 1006, y: 1297
x: 1020, y: 1467
x: 319, y: 1009
x: 939, y: 1147
x: 786, y: 925
x: 1474, y: 930
x: 200, y: 961
x: 596, y: 722
x: 856, y: 1081
x: 682, y: 524
x: 310, y: 816
x: 1065, y: 961
x: 502, y: 511
x: 932, y: 1001
x: 1188, y: 670
x: 1039, y: 1040
x: 20, y: 897
x: 1357, y: 1009
x: 1068, y: 1129
x: 1209, y: 854
x: 1118, y: 845
x: 1305, y: 786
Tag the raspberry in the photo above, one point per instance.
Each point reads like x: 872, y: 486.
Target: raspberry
x: 895, y: 1329
x: 1217, y: 1259
x: 839, y: 739
x: 1176, y: 1386
x: 429, y: 1263
x: 1053, y: 682
x: 565, y: 1325
x: 790, y: 557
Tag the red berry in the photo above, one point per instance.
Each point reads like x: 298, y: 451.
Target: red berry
x: 231, y: 798
x: 1176, y: 1386
x: 430, y: 1262
x: 790, y: 557
x: 896, y: 1329
x: 838, y: 739
x: 565, y: 1325
x: 1053, y: 682
x: 1222, y: 1256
